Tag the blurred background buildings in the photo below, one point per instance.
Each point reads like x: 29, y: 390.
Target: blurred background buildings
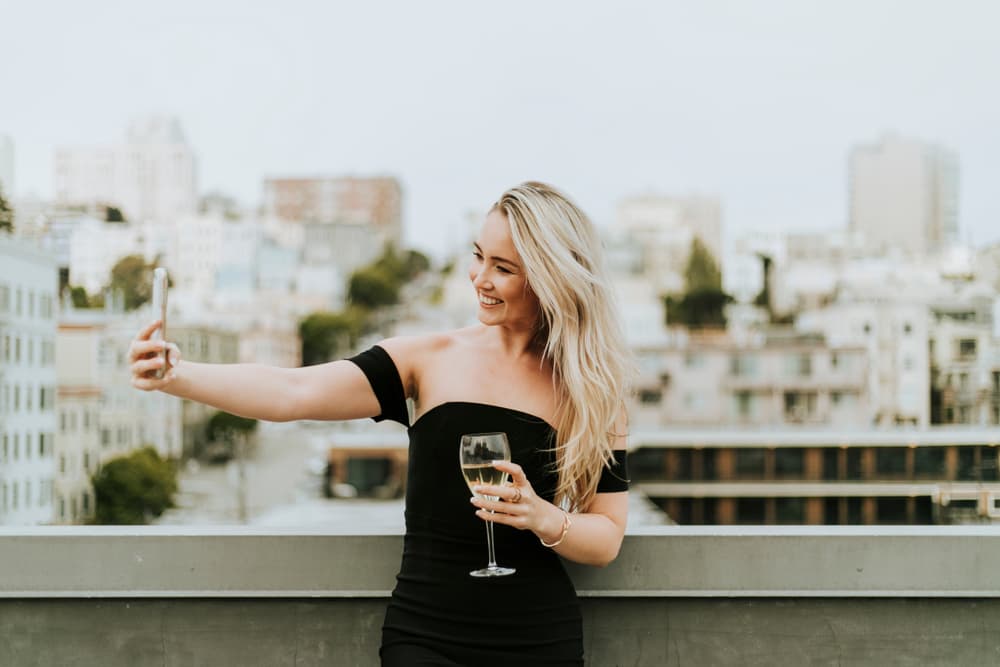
x: 848, y: 376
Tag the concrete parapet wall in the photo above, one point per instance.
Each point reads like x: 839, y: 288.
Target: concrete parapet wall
x: 677, y: 596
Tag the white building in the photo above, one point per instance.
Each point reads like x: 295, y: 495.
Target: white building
x: 965, y: 357
x: 781, y: 379
x: 904, y: 194
x: 28, y: 284
x: 895, y: 333
x: 664, y: 228
x: 151, y: 176
x: 96, y: 246
x: 6, y: 167
x: 101, y: 416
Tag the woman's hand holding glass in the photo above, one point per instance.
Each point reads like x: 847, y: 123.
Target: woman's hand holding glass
x: 518, y: 505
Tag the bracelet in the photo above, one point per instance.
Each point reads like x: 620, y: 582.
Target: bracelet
x: 565, y: 529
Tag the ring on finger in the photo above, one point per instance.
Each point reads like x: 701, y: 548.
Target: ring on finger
x: 517, y: 495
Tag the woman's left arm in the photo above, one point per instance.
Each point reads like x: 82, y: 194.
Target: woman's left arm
x: 592, y: 537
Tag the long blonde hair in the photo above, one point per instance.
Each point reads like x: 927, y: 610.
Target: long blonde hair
x: 579, y: 327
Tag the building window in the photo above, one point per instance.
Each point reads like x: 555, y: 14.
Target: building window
x: 907, y: 328
x: 693, y: 360
x: 790, y: 510
x: 744, y: 404
x: 789, y: 462
x: 891, y: 510
x: 650, y: 396
x: 890, y: 460
x: 800, y: 405
x: 798, y: 365
x: 967, y: 348
x: 742, y: 365
x: 105, y: 437
x: 750, y: 510
x: 750, y: 462
x: 831, y: 464
x: 929, y: 461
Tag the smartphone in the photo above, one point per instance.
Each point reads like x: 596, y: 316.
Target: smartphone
x: 160, y: 312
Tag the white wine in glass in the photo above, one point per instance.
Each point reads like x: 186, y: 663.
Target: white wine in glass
x: 477, y: 453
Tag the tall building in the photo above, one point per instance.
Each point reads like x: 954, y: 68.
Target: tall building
x: 374, y: 202
x: 664, y: 228
x: 149, y: 177
x: 904, y: 194
x: 28, y: 283
x: 6, y: 167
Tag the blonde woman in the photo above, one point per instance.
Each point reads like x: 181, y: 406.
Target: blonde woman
x: 547, y: 366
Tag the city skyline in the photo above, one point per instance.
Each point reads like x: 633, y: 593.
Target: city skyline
x: 758, y: 105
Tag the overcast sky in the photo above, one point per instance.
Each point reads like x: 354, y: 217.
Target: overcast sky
x: 756, y: 102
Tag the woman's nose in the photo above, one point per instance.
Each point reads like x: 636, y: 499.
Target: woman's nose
x: 479, y: 278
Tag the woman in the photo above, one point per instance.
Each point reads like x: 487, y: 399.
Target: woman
x: 546, y: 365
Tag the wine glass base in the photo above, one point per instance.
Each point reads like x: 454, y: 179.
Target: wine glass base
x: 495, y: 571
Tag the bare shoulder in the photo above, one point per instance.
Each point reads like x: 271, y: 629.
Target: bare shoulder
x: 413, y: 354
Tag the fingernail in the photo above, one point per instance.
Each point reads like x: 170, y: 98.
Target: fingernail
x: 477, y: 489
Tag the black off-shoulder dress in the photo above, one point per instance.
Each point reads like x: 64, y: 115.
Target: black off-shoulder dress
x: 438, y: 614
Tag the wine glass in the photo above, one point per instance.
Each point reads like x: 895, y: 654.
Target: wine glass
x: 477, y: 453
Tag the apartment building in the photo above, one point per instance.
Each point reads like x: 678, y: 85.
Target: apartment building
x: 781, y: 379
x: 28, y: 284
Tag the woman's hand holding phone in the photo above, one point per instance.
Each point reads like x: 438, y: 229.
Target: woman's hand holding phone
x: 148, y: 358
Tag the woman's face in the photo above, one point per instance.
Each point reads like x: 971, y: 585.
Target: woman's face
x: 498, y: 275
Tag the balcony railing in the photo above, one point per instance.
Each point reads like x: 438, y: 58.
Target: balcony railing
x: 675, y: 596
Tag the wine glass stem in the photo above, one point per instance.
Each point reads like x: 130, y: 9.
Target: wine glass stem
x: 489, y: 543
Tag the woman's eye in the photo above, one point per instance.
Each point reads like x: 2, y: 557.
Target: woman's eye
x: 503, y: 270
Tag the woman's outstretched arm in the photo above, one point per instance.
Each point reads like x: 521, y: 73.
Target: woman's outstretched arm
x: 332, y: 391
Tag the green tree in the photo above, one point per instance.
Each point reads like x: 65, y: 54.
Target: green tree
x: 133, y: 277
x: 701, y: 271
x: 79, y: 297
x: 113, y: 214
x: 401, y: 267
x: 135, y: 488
x: 224, y: 426
x: 703, y: 303
x: 372, y: 287
x: 222, y: 430
x: 326, y: 336
x: 6, y: 214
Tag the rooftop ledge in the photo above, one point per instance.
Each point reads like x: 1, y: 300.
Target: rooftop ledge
x: 671, y: 562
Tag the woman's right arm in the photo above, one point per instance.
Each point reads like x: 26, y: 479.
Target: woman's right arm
x: 332, y: 391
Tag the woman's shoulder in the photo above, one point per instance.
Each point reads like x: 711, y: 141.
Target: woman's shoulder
x: 413, y: 354
x: 419, y: 346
